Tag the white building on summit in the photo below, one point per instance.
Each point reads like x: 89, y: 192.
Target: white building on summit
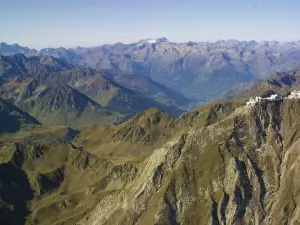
x: 294, y: 94
x: 253, y: 101
x: 273, y: 97
x: 257, y: 99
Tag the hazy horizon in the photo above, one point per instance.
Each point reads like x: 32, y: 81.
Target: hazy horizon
x: 63, y: 23
x: 91, y: 46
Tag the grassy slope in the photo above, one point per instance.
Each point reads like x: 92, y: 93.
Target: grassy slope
x: 12, y: 118
x: 109, y: 93
x: 59, y: 104
x: 168, y: 171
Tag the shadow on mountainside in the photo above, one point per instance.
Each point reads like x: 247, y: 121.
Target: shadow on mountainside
x: 15, y: 191
x: 9, y: 123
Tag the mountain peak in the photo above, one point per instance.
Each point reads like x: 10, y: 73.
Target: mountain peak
x: 56, y: 103
x: 156, y: 40
x: 151, y: 116
x: 152, y: 111
x: 3, y: 44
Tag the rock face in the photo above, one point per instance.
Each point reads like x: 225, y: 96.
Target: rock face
x: 241, y: 169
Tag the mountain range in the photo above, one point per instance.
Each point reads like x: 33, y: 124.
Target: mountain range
x: 56, y: 93
x: 113, y: 134
x: 222, y: 163
x: 198, y: 70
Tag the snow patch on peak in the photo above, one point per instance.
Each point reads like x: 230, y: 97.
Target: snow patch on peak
x: 156, y: 40
x: 152, y: 41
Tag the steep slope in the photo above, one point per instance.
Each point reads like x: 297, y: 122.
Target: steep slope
x: 12, y: 118
x: 130, y: 141
x: 54, y: 178
x: 17, y: 71
x: 57, y: 53
x: 239, y: 169
x: 18, y: 65
x: 63, y: 182
x: 219, y: 164
x: 59, y: 104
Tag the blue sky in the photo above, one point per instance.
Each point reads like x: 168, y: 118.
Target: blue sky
x: 70, y: 23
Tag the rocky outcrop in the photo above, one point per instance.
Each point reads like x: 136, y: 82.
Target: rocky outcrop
x: 237, y: 170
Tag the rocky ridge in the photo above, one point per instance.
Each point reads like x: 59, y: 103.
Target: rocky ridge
x: 222, y: 163
x: 236, y: 170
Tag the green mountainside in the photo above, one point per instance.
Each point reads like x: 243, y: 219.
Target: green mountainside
x: 12, y: 118
x: 67, y: 157
x: 18, y: 72
x: 59, y: 104
x: 113, y: 94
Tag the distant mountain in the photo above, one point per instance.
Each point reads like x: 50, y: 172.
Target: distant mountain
x: 18, y: 70
x: 6, y: 49
x: 57, y: 53
x: 21, y: 67
x: 59, y: 104
x: 200, y: 71
x: 12, y: 119
x: 21, y: 73
x: 147, y: 87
